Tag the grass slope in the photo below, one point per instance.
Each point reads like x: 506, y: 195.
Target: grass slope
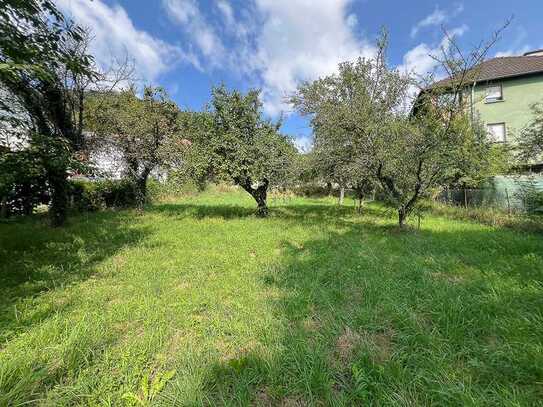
x: 314, y: 306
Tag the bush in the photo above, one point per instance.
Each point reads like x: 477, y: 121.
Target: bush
x: 89, y: 196
x: 311, y: 190
x: 531, y: 197
x: 23, y: 182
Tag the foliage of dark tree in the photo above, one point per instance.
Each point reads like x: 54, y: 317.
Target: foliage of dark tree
x: 23, y: 182
x: 246, y: 148
x: 137, y: 128
x: 41, y: 58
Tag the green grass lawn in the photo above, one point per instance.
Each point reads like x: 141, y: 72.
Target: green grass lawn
x: 315, y: 305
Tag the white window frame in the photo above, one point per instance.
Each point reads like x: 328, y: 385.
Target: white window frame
x: 494, y: 99
x: 492, y: 135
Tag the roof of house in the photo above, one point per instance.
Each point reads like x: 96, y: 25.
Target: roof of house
x: 538, y: 52
x: 508, y: 67
x: 502, y: 68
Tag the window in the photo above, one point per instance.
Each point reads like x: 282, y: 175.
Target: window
x: 496, y: 132
x: 494, y: 94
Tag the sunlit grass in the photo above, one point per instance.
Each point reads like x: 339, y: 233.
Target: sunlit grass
x: 315, y: 304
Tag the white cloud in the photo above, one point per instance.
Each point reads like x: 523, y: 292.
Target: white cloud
x: 304, y: 143
x: 518, y: 45
x: 226, y: 10
x: 512, y: 52
x: 276, y: 43
x: 436, y: 18
x: 421, y: 61
x: 352, y: 21
x: 115, y: 36
x: 299, y: 41
x: 187, y: 14
x: 273, y: 44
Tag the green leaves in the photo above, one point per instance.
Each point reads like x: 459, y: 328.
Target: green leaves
x: 244, y: 146
x: 530, y: 146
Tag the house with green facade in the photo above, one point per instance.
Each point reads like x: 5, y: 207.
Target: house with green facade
x: 505, y: 90
x: 501, y: 94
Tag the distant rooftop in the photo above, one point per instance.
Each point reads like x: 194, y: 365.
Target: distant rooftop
x: 537, y: 52
x: 505, y: 67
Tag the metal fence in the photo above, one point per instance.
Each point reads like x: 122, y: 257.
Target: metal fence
x: 512, y: 193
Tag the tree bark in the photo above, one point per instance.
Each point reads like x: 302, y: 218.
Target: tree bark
x: 58, y: 184
x: 259, y: 194
x: 402, y: 216
x: 262, y: 207
x: 4, y: 207
x: 141, y: 188
x: 328, y: 188
x: 341, y: 195
x: 359, y: 209
x: 28, y: 206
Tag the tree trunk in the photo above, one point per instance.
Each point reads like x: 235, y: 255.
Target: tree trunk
x: 262, y: 207
x: 141, y: 189
x: 341, y: 195
x: 328, y: 188
x: 259, y: 194
x: 28, y: 206
x: 58, y: 183
x: 4, y: 207
x: 402, y: 216
x: 359, y: 190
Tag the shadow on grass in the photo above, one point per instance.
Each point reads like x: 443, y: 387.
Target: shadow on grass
x: 307, y: 212
x: 35, y: 259
x: 373, y: 316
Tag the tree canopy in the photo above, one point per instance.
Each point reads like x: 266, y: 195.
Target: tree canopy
x: 40, y: 61
x: 245, y: 147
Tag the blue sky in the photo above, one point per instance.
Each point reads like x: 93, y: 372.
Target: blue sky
x: 188, y: 46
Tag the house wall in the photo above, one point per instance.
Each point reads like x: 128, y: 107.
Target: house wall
x: 518, y: 96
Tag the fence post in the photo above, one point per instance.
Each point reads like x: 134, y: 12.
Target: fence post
x: 508, y: 203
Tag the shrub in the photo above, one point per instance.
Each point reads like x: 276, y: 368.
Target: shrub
x: 311, y: 190
x: 89, y: 196
x: 531, y: 197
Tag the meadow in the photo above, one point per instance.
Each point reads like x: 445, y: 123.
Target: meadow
x: 198, y: 302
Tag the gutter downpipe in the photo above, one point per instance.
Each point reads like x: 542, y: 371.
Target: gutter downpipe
x: 471, y: 99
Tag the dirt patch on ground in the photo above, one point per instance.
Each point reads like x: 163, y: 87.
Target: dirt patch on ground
x: 380, y: 345
x: 377, y: 344
x: 346, y: 344
x: 293, y: 402
x: 263, y: 399
x: 311, y: 324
